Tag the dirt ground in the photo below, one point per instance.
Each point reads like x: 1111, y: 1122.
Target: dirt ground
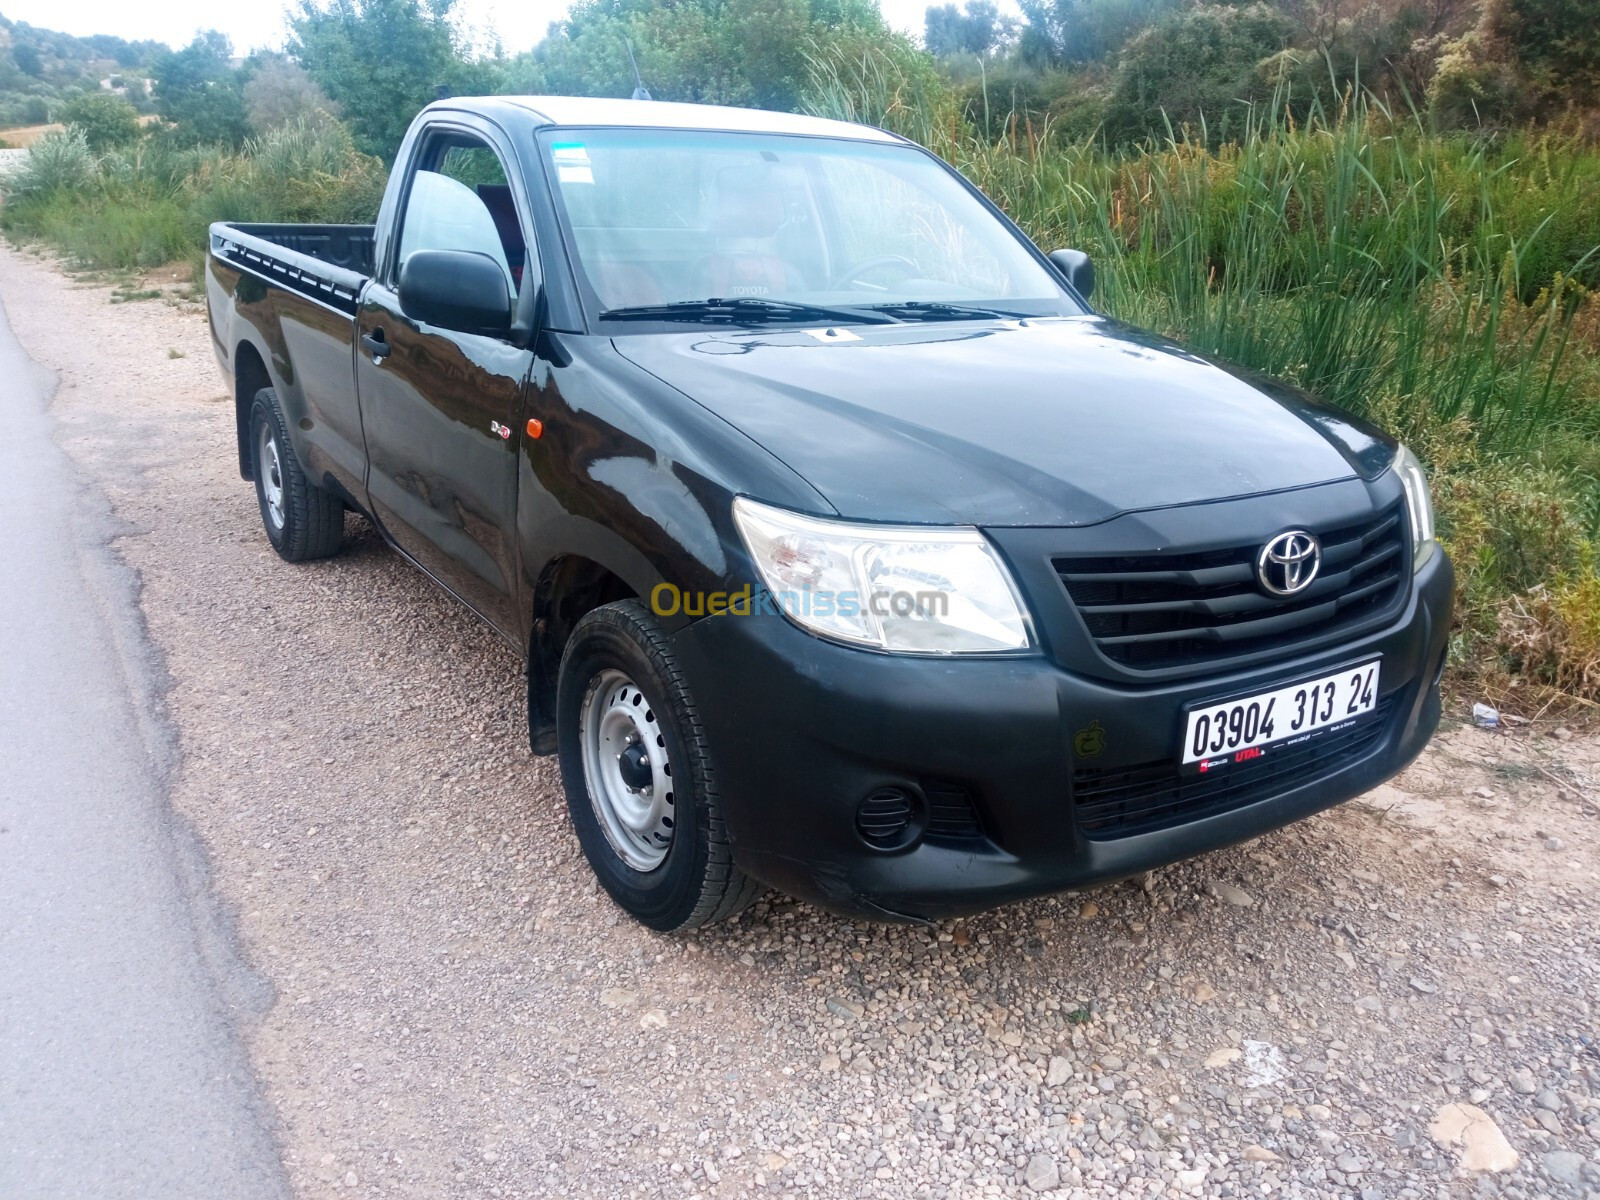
x: 1395, y: 999
x: 20, y: 137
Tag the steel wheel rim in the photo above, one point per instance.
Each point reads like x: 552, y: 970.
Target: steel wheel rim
x: 271, y: 477
x: 626, y: 770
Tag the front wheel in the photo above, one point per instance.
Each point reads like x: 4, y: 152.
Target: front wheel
x: 639, y: 782
x: 302, y: 520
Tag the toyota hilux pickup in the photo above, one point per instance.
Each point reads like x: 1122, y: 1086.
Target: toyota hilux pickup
x: 850, y: 551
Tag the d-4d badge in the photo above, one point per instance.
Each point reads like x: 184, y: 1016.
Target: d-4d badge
x: 1088, y: 743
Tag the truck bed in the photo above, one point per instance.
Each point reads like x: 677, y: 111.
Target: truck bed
x: 328, y: 263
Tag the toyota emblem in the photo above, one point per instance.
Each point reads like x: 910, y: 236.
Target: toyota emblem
x: 1289, y: 562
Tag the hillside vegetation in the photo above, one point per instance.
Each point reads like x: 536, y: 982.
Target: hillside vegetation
x: 1392, y: 208
x: 42, y: 71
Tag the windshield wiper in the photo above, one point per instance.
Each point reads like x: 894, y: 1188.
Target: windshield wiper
x: 938, y: 310
x: 743, y: 310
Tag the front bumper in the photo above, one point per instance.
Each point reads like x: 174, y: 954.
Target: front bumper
x: 802, y: 730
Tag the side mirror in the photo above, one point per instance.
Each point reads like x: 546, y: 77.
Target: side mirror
x: 1075, y: 265
x: 456, y: 289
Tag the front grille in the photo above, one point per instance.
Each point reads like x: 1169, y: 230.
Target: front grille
x: 1111, y: 802
x: 1159, y: 611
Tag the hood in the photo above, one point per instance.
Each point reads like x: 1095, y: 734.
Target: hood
x: 1046, y: 421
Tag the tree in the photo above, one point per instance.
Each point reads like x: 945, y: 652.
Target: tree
x: 979, y: 30
x: 381, y: 61
x: 753, y: 52
x: 1525, y: 60
x: 199, y: 91
x: 1555, y: 45
x: 106, y: 120
x: 26, y: 56
x: 1062, y: 32
x: 278, y: 90
x: 127, y: 54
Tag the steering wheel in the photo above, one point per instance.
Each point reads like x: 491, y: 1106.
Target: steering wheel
x: 855, y: 271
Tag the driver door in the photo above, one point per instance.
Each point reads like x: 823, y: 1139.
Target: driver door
x: 441, y: 409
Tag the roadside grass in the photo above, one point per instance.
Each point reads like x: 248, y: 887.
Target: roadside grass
x: 133, y: 296
x: 150, y: 204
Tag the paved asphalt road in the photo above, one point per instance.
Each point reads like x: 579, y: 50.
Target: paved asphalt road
x: 121, y: 1068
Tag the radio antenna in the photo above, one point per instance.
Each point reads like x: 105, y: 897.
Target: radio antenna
x: 640, y: 92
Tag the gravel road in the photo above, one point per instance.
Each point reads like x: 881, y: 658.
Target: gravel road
x: 1396, y: 999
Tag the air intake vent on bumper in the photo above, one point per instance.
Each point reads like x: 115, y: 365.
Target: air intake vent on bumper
x: 885, y: 819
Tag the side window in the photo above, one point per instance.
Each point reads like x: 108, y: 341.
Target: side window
x: 465, y: 203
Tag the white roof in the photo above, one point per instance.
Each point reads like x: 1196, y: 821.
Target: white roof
x: 661, y: 114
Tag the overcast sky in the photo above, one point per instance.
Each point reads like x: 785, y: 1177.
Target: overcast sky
x: 257, y: 24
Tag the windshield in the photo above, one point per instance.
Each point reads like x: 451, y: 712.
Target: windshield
x: 784, y: 228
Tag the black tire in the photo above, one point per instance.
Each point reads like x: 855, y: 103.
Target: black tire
x: 306, y: 521
x: 697, y: 882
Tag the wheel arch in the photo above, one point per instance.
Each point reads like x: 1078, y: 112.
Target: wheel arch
x: 250, y: 375
x: 568, y: 587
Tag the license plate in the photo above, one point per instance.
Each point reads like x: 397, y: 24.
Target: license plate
x: 1235, y: 731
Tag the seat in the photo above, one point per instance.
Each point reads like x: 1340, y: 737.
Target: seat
x: 748, y: 211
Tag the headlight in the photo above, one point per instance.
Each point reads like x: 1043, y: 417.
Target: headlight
x: 903, y: 588
x: 1418, y: 504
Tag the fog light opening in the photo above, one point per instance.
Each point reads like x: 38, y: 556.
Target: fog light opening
x: 890, y: 818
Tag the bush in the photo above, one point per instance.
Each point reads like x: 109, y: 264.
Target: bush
x: 1013, y: 95
x: 106, y: 120
x: 279, y: 91
x: 1198, y: 66
x: 310, y: 170
x: 1509, y: 525
x: 1471, y: 89
x: 149, y: 203
x: 887, y: 84
x: 1552, y: 635
x: 57, y: 162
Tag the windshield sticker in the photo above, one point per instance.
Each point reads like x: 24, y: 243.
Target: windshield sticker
x: 575, y: 174
x: 569, y: 154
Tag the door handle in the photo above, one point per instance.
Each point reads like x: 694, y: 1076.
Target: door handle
x: 376, y: 345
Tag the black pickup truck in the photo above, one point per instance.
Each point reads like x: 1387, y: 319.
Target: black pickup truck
x: 850, y: 552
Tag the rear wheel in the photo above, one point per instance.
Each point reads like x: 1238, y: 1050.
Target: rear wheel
x: 640, y: 785
x: 302, y: 520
